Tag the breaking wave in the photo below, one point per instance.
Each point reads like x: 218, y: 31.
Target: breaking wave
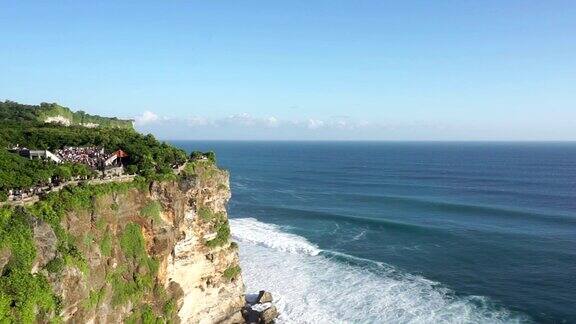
x: 250, y: 230
x: 315, y: 286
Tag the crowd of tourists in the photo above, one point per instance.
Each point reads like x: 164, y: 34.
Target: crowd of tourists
x: 91, y: 156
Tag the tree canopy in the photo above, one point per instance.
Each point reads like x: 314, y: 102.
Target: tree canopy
x: 19, y: 126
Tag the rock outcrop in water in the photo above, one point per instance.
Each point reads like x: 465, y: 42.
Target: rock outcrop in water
x: 136, y: 252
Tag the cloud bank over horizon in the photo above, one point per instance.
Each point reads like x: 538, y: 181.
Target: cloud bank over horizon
x: 244, y: 126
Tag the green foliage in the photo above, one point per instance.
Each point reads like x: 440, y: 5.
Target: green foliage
x: 124, y: 289
x: 198, y: 155
x: 55, y: 265
x: 18, y: 172
x: 152, y: 210
x: 169, y: 309
x: 222, y: 235
x: 106, y: 244
x: 211, y: 156
x: 231, y: 272
x: 94, y: 298
x: 55, y: 205
x: 13, y: 111
x: 189, y: 169
x: 144, y: 315
x: 207, y: 214
x: 21, y: 292
x: 78, y: 118
x: 149, y: 156
x: 26, y: 292
x: 129, y: 287
x: 134, y: 248
x: 131, y: 169
x: 148, y: 315
x: 132, y: 242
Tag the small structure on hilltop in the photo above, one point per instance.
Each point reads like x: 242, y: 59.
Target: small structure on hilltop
x: 114, y: 165
x: 35, y: 154
x: 118, y: 158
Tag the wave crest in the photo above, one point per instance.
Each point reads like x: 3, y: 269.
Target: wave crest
x: 250, y: 230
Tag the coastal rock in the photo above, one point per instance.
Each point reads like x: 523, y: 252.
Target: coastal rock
x: 259, y: 308
x: 264, y: 297
x: 250, y: 315
x: 268, y: 315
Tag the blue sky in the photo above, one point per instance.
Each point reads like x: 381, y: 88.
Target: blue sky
x: 323, y: 69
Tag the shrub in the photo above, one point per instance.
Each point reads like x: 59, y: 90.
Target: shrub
x: 94, y: 298
x: 132, y: 242
x: 106, y: 244
x: 169, y: 309
x: 152, y: 210
x: 222, y: 235
x: 131, y: 169
x: 134, y: 248
x: 231, y: 272
x: 55, y: 265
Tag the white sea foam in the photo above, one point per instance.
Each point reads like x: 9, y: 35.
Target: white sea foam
x: 313, y: 287
x: 249, y: 230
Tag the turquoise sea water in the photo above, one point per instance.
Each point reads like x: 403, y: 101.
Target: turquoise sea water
x: 366, y: 232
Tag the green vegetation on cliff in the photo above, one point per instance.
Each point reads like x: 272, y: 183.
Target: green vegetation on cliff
x: 13, y: 111
x: 17, y: 172
x: 232, y: 272
x: 19, y: 125
x: 23, y: 294
x: 98, y: 237
x: 27, y: 297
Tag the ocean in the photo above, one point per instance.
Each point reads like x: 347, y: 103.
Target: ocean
x: 406, y: 232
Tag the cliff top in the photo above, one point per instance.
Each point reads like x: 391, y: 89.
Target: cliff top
x: 25, y: 126
x: 11, y: 111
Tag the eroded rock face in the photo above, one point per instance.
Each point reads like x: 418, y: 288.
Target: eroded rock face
x: 5, y: 255
x: 45, y: 240
x: 182, y: 277
x: 209, y: 296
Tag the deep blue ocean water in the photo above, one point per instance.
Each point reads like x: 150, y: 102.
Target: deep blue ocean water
x: 406, y: 232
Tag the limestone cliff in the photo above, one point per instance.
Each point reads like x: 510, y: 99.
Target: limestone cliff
x: 136, y: 252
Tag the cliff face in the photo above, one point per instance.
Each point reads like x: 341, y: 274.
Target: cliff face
x: 158, y: 252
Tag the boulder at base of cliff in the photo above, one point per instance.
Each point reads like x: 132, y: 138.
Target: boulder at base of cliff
x: 259, y: 308
x: 250, y: 315
x: 268, y: 315
x: 264, y: 297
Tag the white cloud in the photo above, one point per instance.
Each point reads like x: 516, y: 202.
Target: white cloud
x: 315, y: 123
x: 246, y: 120
x: 147, y: 117
x: 243, y: 119
x: 197, y: 121
x: 272, y: 122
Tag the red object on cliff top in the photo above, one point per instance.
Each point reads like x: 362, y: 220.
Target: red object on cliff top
x: 120, y: 154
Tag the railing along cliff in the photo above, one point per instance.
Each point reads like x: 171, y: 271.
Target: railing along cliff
x: 34, y: 198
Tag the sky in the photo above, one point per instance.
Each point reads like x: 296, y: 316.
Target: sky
x: 301, y: 69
